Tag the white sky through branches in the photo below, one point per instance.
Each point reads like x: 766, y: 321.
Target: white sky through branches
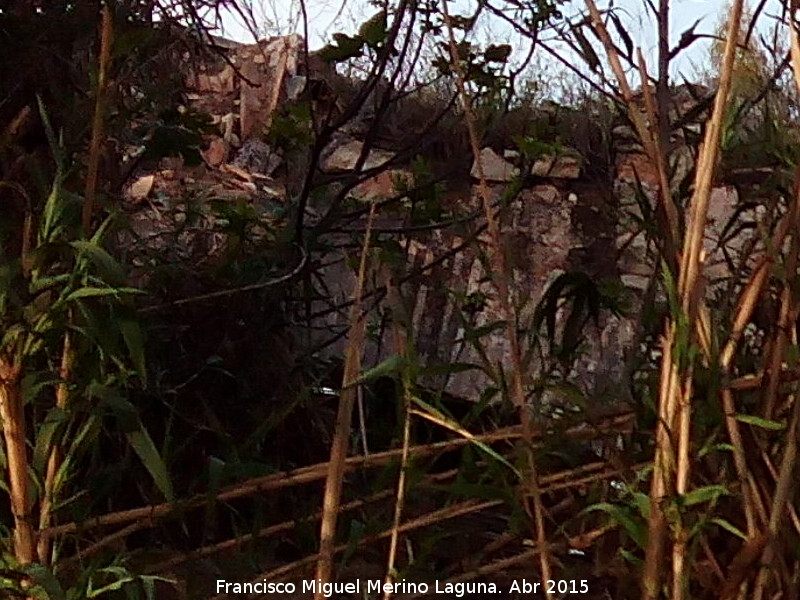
x: 328, y: 16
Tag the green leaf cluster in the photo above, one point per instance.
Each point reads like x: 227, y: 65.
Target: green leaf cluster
x: 371, y: 35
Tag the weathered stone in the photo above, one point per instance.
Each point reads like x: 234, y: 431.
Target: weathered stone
x: 345, y: 158
x: 721, y: 207
x: 239, y: 172
x: 635, y: 282
x: 383, y: 186
x: 140, y: 189
x: 493, y: 166
x: 626, y: 140
x: 562, y: 166
x: 216, y: 153
x: 264, y: 68
x: 681, y: 163
x: 631, y: 166
x: 247, y: 186
x: 274, y: 191
x: 255, y: 84
x: 254, y: 156
x: 171, y: 163
x: 718, y: 244
x: 497, y: 168
x: 217, y: 83
x: 226, y: 123
x: 295, y: 86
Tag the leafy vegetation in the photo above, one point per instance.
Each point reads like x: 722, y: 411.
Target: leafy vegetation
x: 211, y: 399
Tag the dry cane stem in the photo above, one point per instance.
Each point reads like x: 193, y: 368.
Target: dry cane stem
x: 744, y: 311
x: 106, y: 36
x: 336, y: 465
x: 12, y: 414
x: 785, y: 484
x: 650, y: 138
x: 500, y: 280
x: 781, y: 500
x: 555, y: 482
x: 401, y: 344
x: 303, y: 475
x: 664, y: 452
x: 450, y: 512
x: 54, y: 460
x: 676, y: 384
x: 788, y: 301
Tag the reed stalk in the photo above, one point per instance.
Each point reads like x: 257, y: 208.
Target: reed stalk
x: 500, y: 277
x: 341, y: 438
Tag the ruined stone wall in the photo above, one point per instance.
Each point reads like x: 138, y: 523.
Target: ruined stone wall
x: 563, y: 221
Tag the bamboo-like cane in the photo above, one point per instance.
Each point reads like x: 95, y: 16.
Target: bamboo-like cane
x: 500, y: 279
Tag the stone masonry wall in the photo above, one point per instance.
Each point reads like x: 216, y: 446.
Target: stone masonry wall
x: 562, y: 222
